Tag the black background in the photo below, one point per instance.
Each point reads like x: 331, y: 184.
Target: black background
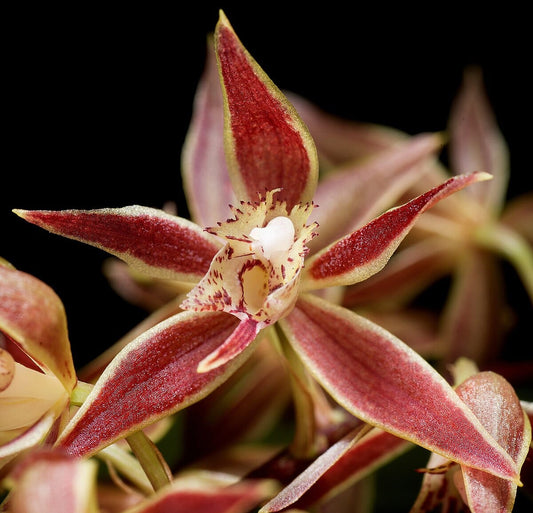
x: 99, y: 100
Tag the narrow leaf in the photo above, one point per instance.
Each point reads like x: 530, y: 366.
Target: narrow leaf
x: 150, y: 240
x: 267, y: 145
x: 379, y: 379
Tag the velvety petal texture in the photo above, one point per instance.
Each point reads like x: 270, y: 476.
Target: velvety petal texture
x: 364, y: 252
x: 267, y: 145
x: 495, y: 404
x: 153, y: 376
x: 394, y: 389
x: 150, y: 240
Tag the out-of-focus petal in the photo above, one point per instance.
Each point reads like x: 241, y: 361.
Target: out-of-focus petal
x: 379, y: 379
x: 339, y: 140
x: 407, y: 273
x: 189, y: 495
x: 152, y: 377
x: 518, y: 214
x: 346, y: 462
x: 203, y: 164
x: 354, y: 194
x: 473, y: 320
x: 364, y: 252
x: 49, y: 481
x: 476, y: 143
x: 150, y: 240
x: 267, y: 144
x: 494, y: 402
x: 33, y: 316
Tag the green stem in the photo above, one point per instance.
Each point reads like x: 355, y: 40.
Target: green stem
x: 150, y: 459
x: 511, y: 246
x: 80, y: 393
x: 128, y: 466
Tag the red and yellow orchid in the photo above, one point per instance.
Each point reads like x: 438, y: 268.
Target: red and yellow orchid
x: 247, y: 275
x: 37, y: 373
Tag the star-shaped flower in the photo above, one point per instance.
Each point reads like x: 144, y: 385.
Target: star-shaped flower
x: 247, y: 275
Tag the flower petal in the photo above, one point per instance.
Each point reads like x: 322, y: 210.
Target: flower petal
x: 476, y: 143
x: 33, y: 316
x: 197, y: 495
x: 379, y: 379
x: 152, y: 377
x: 494, y: 402
x: 150, y: 240
x: 366, y: 251
x: 407, y: 273
x: 267, y: 144
x: 239, y: 340
x: 339, y: 140
x: 354, y: 194
x: 46, y: 481
x: 204, y: 169
x: 472, y: 323
x: 344, y: 463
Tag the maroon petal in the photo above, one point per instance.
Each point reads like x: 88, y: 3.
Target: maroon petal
x: 267, y: 145
x: 379, y: 379
x: 150, y: 240
x: 364, y: 252
x: 346, y: 462
x: 153, y: 376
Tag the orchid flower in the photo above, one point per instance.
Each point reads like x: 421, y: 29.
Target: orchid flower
x: 495, y: 403
x: 37, y: 373
x: 464, y: 237
x: 247, y: 275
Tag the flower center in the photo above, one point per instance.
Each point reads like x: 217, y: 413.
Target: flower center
x: 274, y: 240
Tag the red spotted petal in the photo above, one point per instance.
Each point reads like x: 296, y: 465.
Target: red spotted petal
x: 34, y: 317
x: 267, y: 145
x: 150, y: 240
x: 153, y: 376
x: 364, y: 252
x: 385, y: 383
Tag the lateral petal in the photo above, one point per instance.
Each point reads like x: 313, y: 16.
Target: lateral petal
x: 150, y: 240
x: 354, y: 194
x: 153, y: 376
x: 33, y: 316
x: 203, y: 163
x: 364, y: 252
x: 381, y: 380
x: 267, y: 144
